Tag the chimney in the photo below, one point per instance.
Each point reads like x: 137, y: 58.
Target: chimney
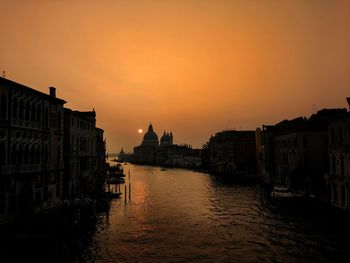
x: 348, y: 100
x: 52, y: 92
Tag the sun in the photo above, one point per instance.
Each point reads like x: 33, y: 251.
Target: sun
x: 140, y: 131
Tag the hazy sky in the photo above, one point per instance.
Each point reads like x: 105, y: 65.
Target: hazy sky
x: 190, y: 67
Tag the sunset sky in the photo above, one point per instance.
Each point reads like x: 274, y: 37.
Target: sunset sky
x: 190, y: 67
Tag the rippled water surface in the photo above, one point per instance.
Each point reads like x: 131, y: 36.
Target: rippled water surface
x: 185, y: 216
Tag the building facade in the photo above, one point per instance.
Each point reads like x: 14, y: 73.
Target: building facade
x: 339, y: 161
x: 31, y: 150
x: 295, y: 153
x: 165, y: 153
x: 84, y: 154
x: 231, y: 153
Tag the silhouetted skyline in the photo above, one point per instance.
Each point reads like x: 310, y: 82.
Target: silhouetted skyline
x: 192, y: 67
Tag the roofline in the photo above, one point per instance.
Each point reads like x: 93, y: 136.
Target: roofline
x: 21, y: 86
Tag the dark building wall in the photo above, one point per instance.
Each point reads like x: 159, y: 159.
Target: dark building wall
x: 31, y: 157
x: 231, y: 153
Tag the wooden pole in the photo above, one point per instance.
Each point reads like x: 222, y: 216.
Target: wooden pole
x: 125, y: 193
x: 129, y: 190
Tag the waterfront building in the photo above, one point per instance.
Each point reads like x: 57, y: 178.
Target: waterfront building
x: 31, y: 150
x: 101, y: 164
x: 84, y: 154
x: 231, y: 153
x: 296, y: 153
x: 166, y: 153
x: 124, y: 157
x: 338, y: 181
x: 167, y: 139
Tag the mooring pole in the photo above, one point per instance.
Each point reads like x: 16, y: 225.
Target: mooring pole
x: 129, y: 191
x: 125, y: 193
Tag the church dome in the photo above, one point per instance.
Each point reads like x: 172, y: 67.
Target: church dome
x: 150, y: 137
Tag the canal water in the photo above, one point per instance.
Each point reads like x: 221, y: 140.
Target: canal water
x: 177, y: 215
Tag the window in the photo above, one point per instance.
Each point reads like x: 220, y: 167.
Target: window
x: 342, y: 167
x: 14, y: 108
x: 3, y: 106
x: 27, y: 111
x: 3, y: 153
x: 332, y: 136
x: 2, y: 204
x: 58, y: 119
x: 340, y: 135
x: 38, y: 114
x: 33, y: 113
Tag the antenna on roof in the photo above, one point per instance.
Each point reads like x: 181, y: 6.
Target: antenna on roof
x: 3, y: 73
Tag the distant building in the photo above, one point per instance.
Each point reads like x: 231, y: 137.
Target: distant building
x: 84, y: 154
x: 167, y: 139
x: 231, y: 153
x: 31, y: 150
x: 147, y: 152
x: 124, y: 157
x: 166, y: 153
x: 339, y: 159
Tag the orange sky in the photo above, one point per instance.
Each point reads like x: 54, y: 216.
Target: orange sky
x: 191, y: 67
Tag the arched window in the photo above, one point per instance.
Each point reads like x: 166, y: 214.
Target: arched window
x: 3, y: 153
x: 32, y: 155
x: 14, y: 108
x: 58, y: 155
x: 27, y: 111
x: 21, y: 110
x: 26, y: 155
x: 32, y: 112
x: 46, y: 117
x: 3, y: 106
x: 59, y: 119
x: 20, y: 155
x: 333, y: 165
x: 340, y: 135
x: 13, y: 155
x: 342, y: 167
x: 46, y: 154
x: 38, y: 155
x: 38, y: 114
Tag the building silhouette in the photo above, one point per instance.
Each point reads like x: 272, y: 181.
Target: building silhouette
x: 31, y: 150
x: 231, y: 153
x: 165, y: 153
x: 295, y: 153
x: 84, y: 154
x: 47, y: 153
x: 338, y: 180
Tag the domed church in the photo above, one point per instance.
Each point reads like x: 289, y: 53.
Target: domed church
x: 150, y: 138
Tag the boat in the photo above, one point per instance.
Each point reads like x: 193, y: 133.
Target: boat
x: 114, y: 194
x: 116, y: 180
x: 284, y: 193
